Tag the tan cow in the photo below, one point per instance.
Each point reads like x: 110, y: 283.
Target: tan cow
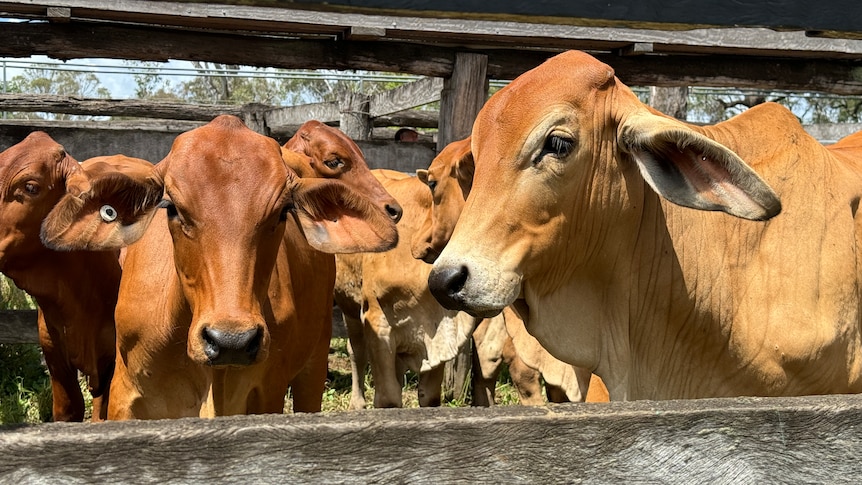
x: 206, y: 323
x: 393, y: 320
x: 609, y: 221
x: 450, y: 177
x: 75, y: 291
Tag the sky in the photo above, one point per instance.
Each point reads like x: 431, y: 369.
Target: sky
x: 112, y: 73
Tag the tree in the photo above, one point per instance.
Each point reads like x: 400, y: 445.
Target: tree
x: 59, y: 82
x: 149, y: 83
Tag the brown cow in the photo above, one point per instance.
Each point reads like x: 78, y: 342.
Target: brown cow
x: 321, y: 151
x: 75, y: 291
x: 611, y: 221
x: 206, y: 324
x: 498, y: 340
x: 329, y: 153
x: 391, y: 315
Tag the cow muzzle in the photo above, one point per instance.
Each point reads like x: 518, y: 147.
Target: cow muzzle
x: 223, y: 348
x: 482, y: 292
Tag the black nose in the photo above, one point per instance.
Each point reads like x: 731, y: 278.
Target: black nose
x: 231, y: 348
x: 446, y: 284
x: 395, y: 211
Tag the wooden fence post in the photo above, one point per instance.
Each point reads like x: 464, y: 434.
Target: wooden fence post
x: 254, y: 117
x: 670, y: 101
x: 355, y: 115
x: 462, y: 97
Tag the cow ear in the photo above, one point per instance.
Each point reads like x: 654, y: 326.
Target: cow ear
x: 108, y: 204
x: 422, y: 175
x: 337, y: 219
x: 464, y: 168
x: 694, y: 171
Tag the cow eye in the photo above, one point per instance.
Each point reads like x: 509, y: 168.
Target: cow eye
x: 432, y: 184
x: 31, y: 188
x: 169, y: 207
x: 557, y: 146
x: 334, y: 163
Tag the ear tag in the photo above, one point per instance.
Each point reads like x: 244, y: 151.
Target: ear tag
x: 108, y: 213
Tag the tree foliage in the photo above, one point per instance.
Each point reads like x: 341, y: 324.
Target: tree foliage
x: 59, y: 82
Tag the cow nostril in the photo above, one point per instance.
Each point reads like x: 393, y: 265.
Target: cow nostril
x: 231, y: 348
x: 446, y: 285
x: 394, y: 211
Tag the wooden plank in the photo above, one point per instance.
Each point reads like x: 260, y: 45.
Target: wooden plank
x: 417, y: 93
x: 289, y: 118
x: 834, y: 15
x: 303, y: 19
x: 18, y: 327
x: 78, y: 40
x: 49, y: 103
x: 168, y: 126
x: 743, y: 440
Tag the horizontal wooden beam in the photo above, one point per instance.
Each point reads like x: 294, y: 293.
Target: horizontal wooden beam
x: 79, y: 40
x: 406, y: 96
x: 289, y: 118
x: 743, y: 440
x: 416, y: 24
x: 835, y: 15
x: 49, y: 103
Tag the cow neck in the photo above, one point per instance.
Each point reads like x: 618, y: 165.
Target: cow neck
x: 78, y: 274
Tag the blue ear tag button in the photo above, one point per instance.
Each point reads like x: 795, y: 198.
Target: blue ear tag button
x: 108, y: 213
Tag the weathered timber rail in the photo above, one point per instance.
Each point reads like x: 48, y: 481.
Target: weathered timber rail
x: 741, y: 440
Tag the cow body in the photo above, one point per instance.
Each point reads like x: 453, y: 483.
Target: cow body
x: 212, y: 294
x: 393, y: 320
x: 601, y: 220
x: 75, y: 291
x: 502, y: 339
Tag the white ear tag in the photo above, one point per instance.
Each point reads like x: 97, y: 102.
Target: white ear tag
x: 108, y: 213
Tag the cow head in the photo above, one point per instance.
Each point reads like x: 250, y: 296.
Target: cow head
x: 449, y: 178
x: 326, y: 152
x: 226, y: 194
x: 33, y: 177
x: 561, y: 155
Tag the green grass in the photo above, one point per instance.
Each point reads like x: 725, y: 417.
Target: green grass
x: 25, y: 389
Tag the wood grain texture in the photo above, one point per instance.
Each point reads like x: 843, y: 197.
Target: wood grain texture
x: 835, y: 71
x: 743, y: 440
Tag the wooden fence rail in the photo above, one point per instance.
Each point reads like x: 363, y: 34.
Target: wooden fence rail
x: 742, y: 440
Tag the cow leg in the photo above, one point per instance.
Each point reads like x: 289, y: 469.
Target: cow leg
x: 100, y: 387
x: 308, y: 386
x: 358, y: 361
x: 67, y: 399
x: 526, y: 379
x: 555, y: 394
x: 486, y: 367
x: 384, y: 364
x: 429, y: 388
